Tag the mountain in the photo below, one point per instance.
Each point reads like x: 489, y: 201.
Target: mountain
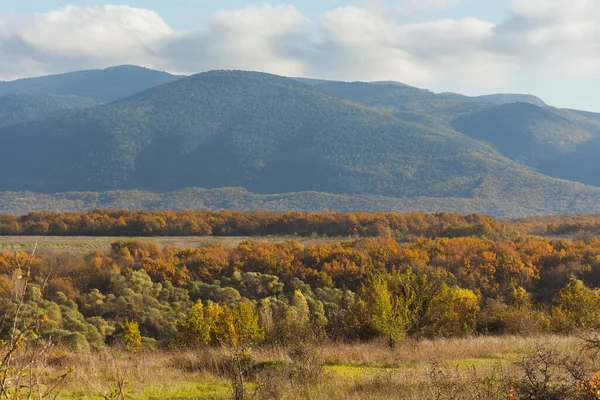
x: 266, y: 133
x: 524, y: 132
x: 26, y: 107
x: 405, y: 102
x: 500, y: 99
x: 106, y: 85
x: 563, y: 144
x: 271, y: 135
x: 560, y: 143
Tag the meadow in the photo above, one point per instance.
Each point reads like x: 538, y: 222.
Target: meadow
x: 85, y: 244
x: 467, y: 368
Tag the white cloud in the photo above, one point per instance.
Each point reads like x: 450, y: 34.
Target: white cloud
x: 359, y: 44
x: 263, y: 38
x: 350, y: 43
x: 409, y: 8
x: 555, y: 10
x: 412, y: 7
x: 78, y: 37
x: 563, y: 35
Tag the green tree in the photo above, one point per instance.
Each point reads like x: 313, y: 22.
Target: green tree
x: 576, y: 308
x: 195, y: 329
x: 453, y: 312
x: 387, y: 307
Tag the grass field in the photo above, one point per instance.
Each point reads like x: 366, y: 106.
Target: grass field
x: 352, y: 371
x: 84, y: 244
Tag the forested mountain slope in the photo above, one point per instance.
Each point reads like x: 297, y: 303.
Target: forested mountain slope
x: 524, y: 132
x: 501, y: 98
x: 560, y: 143
x: 263, y: 132
x: 27, y: 107
x: 403, y: 101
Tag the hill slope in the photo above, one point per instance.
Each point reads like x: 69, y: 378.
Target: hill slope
x: 500, y: 98
x: 267, y: 134
x: 560, y: 143
x: 529, y: 134
x: 403, y: 101
x: 26, y: 107
x: 240, y: 199
x: 107, y: 85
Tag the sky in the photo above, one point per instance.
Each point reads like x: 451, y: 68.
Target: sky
x: 550, y: 48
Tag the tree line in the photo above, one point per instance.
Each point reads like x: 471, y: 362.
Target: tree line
x: 240, y: 223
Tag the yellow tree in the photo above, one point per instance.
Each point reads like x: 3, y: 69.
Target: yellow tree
x: 576, y: 308
x: 387, y: 309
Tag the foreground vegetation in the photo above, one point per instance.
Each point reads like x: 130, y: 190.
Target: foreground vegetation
x: 311, y: 319
x: 474, y: 368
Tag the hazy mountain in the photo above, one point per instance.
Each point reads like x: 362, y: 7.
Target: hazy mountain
x: 499, y: 99
x: 263, y: 132
x: 524, y: 132
x: 107, y: 85
x: 26, y: 107
x: 403, y: 101
x: 267, y: 134
x: 559, y: 143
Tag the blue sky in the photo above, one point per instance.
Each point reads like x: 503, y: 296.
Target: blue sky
x: 550, y: 48
x: 180, y: 13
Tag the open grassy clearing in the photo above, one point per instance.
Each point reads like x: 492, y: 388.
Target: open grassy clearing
x: 352, y: 371
x: 84, y: 244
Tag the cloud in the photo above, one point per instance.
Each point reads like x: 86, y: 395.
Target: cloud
x: 263, y: 38
x: 356, y: 40
x: 78, y: 37
x: 563, y: 35
x: 416, y: 7
x: 409, y: 8
x: 350, y: 43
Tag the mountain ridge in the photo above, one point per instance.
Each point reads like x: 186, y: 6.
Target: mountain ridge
x: 274, y: 135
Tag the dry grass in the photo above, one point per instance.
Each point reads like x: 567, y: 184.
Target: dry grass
x: 424, y: 351
x: 415, y: 370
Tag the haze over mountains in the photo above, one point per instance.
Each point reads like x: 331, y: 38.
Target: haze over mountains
x: 288, y: 144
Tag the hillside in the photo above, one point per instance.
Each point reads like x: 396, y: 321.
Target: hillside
x: 500, y: 98
x: 513, y: 206
x: 563, y: 144
x: 27, y: 107
x: 271, y: 135
x: 403, y: 101
x: 265, y: 133
x: 106, y: 85
x: 524, y: 132
x: 560, y: 143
